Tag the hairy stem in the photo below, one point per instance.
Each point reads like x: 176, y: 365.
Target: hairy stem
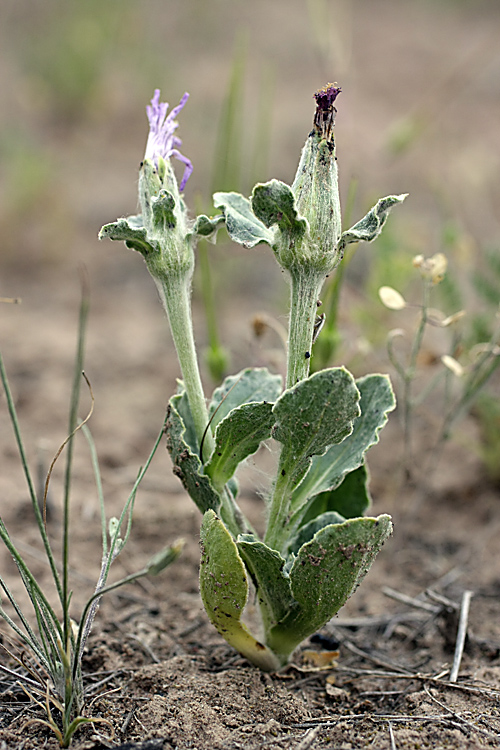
x: 175, y: 297
x: 305, y: 289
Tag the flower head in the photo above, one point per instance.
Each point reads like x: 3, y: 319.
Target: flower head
x: 162, y: 141
x: 324, y: 118
x: 433, y: 268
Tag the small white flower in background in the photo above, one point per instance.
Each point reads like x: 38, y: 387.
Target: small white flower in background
x: 452, y: 364
x: 433, y: 268
x: 453, y: 318
x: 391, y: 298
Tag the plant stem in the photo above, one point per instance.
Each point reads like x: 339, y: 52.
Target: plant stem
x: 409, y: 377
x: 280, y: 507
x: 176, y: 301
x: 305, y: 288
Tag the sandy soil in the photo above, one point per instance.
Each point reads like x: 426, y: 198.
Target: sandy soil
x: 170, y: 679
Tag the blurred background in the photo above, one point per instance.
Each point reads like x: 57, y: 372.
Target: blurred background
x: 419, y: 113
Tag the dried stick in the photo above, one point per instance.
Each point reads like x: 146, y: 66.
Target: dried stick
x: 391, y: 733
x: 462, y: 631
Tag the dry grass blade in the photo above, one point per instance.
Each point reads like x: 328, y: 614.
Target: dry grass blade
x: 411, y: 601
x: 391, y: 734
x: 462, y: 631
x: 61, y: 448
x: 492, y: 735
x: 309, y: 738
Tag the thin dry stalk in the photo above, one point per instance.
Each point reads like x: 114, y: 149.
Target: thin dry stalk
x: 462, y: 632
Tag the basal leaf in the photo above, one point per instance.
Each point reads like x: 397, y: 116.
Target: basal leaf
x: 187, y: 465
x: 224, y: 591
x: 184, y: 411
x: 238, y: 436
x: 325, y: 573
x: 328, y: 471
x: 311, y: 416
x: 241, y: 223
x: 308, y: 530
x: 351, y: 498
x: 247, y: 386
x: 266, y: 567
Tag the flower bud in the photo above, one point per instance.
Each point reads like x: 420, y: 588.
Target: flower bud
x: 433, y: 268
x: 315, y: 186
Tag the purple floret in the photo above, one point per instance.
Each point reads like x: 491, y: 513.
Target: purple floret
x: 162, y: 141
x: 326, y: 96
x: 324, y: 118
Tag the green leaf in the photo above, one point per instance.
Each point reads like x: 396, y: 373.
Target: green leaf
x: 130, y: 231
x: 274, y: 203
x: 249, y: 385
x: 308, y: 530
x: 326, y: 572
x: 224, y: 591
x: 370, y: 226
x: 187, y: 465
x: 238, y: 436
x: 163, y: 211
x: 272, y: 587
x: 207, y: 226
x: 183, y: 409
x: 314, y: 414
x: 328, y: 471
x: 351, y: 498
x: 241, y: 223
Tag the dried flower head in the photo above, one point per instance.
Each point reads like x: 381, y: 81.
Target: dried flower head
x: 324, y: 117
x: 433, y: 268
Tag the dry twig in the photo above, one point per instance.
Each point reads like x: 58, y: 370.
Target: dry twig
x: 462, y: 632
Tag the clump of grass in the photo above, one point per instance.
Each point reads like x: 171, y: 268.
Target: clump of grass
x: 55, y: 642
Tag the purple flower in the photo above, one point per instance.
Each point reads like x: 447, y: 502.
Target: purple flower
x: 161, y: 139
x: 326, y: 96
x: 324, y: 119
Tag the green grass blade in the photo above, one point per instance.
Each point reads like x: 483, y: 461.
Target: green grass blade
x: 31, y: 488
x: 98, y: 480
x: 73, y: 412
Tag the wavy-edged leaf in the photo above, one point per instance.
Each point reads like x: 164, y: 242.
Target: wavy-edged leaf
x: 238, y: 436
x: 131, y: 231
x: 351, y: 498
x: 326, y: 571
x: 274, y: 203
x: 224, y: 591
x: 247, y: 386
x: 370, y: 226
x: 308, y: 530
x: 241, y: 223
x: 328, y: 471
x: 187, y: 465
x: 312, y: 415
x: 206, y: 227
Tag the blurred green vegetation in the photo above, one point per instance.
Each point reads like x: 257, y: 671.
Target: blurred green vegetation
x: 76, y: 77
